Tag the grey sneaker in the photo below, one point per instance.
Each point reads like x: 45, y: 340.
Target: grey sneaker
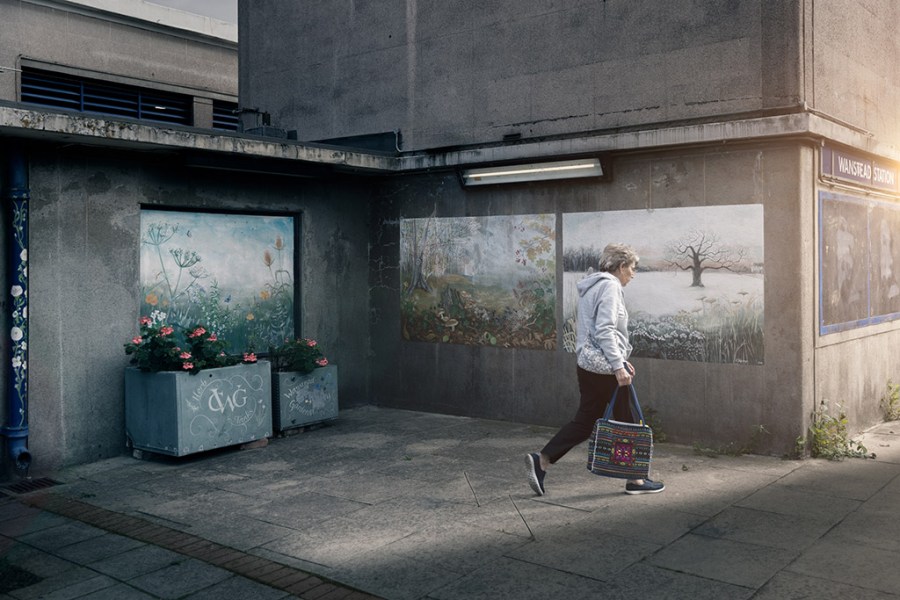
x: 535, y: 473
x: 648, y: 487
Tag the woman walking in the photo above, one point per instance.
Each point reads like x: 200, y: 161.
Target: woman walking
x: 603, y: 349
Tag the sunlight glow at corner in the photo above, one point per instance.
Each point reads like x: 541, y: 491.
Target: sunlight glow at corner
x: 568, y: 169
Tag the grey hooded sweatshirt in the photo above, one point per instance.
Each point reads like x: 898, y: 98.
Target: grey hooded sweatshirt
x: 602, y: 318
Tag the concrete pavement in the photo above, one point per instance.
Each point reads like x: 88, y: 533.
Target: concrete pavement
x: 404, y: 505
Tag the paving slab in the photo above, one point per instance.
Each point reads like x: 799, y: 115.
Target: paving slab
x: 55, y: 538
x: 857, y: 479
x: 884, y: 441
x: 390, y: 576
x: 657, y: 524
x: 737, y: 563
x: 178, y: 580
x: 455, y: 547
x: 564, y: 550
x: 708, y: 491
x: 137, y: 562
x: 643, y: 581
x: 29, y: 523
x: 510, y: 579
x: 788, y: 532
x: 785, y: 500
x: 852, y: 564
x: 238, y: 588
x: 119, y: 591
x: 794, y: 586
x: 98, y: 548
x: 71, y: 583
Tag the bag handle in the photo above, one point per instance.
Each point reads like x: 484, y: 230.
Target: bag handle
x: 634, y: 401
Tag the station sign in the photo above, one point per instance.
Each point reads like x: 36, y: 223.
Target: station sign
x: 859, y: 169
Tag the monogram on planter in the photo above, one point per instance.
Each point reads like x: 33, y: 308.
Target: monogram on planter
x: 304, y: 385
x: 183, y: 399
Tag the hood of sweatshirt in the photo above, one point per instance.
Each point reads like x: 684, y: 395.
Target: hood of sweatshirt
x: 591, y: 280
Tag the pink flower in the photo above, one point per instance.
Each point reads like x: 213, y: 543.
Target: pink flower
x: 187, y: 366
x: 212, y: 337
x: 221, y: 354
x: 197, y: 332
x: 137, y: 340
x: 146, y: 321
x: 322, y: 362
x: 311, y: 343
x: 166, y: 330
x: 249, y: 357
x: 184, y: 355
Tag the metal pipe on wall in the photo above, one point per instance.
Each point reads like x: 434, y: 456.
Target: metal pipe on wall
x: 17, y: 196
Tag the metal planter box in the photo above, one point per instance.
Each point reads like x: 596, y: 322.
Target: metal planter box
x: 299, y: 400
x: 178, y: 413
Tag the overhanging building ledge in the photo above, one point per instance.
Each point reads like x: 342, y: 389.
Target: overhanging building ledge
x: 795, y: 125
x: 16, y: 121
x: 102, y: 131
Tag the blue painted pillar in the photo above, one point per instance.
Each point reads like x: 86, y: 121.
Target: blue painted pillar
x: 16, y: 428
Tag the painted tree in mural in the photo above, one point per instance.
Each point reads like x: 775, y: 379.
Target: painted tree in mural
x: 699, y: 250
x: 416, y: 237
x: 434, y: 247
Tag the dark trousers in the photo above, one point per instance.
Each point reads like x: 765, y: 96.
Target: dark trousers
x: 596, y: 392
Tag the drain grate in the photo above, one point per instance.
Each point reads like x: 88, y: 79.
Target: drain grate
x: 29, y: 485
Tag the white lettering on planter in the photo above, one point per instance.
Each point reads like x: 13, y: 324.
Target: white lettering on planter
x: 236, y: 400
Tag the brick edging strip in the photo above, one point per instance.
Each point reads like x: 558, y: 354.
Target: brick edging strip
x: 268, y: 572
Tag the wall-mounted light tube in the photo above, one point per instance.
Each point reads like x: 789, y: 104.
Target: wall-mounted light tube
x: 566, y: 169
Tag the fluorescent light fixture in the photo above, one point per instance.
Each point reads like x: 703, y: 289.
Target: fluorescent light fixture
x: 565, y: 169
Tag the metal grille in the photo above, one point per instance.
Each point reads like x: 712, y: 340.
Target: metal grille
x: 88, y: 95
x: 28, y: 485
x: 225, y: 115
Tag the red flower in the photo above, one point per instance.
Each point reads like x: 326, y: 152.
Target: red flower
x: 212, y: 337
x: 311, y: 343
x: 146, y: 321
x: 184, y: 355
x: 197, y: 332
x: 187, y: 366
x: 322, y: 362
x: 137, y: 340
x: 249, y: 357
x: 166, y: 330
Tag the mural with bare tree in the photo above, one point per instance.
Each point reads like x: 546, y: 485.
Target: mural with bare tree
x: 698, y: 294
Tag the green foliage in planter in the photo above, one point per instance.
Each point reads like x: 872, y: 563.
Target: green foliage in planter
x: 302, y: 355
x: 158, y: 348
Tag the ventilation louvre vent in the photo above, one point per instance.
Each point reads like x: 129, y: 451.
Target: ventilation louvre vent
x: 225, y: 115
x: 88, y: 95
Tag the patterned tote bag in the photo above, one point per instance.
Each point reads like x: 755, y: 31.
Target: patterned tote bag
x: 619, y: 449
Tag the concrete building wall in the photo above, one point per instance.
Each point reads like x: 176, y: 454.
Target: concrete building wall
x: 696, y: 401
x: 84, y: 39
x: 466, y: 72
x: 85, y: 288
x: 853, y: 50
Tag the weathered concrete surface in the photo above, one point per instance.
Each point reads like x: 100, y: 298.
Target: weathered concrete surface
x: 409, y: 505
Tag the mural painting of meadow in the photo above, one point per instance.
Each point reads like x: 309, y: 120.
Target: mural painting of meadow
x: 698, y: 293
x: 232, y: 273
x: 487, y: 281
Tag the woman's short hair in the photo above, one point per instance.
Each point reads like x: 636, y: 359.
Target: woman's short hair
x: 617, y: 255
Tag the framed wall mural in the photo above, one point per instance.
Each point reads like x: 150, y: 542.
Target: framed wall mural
x: 232, y: 272
x: 479, y: 280
x: 859, y: 262
x: 698, y: 293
